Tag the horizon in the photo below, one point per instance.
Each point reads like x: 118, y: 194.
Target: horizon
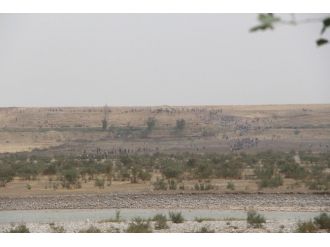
x: 106, y: 105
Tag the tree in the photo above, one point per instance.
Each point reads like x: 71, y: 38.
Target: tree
x: 104, y: 124
x: 151, y: 122
x: 105, y: 118
x: 6, y: 175
x: 180, y: 124
x: 269, y: 21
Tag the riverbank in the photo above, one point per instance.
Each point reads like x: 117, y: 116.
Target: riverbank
x: 231, y: 226
x: 227, y: 201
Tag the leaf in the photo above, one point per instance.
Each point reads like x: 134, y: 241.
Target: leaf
x: 266, y: 22
x: 261, y: 27
x: 321, y: 42
x: 326, y: 24
x: 268, y: 19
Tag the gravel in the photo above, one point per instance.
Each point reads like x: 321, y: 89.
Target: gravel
x: 269, y: 202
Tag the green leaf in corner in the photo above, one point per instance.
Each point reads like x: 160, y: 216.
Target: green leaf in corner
x: 266, y: 22
x: 321, y: 42
x: 326, y: 24
x: 268, y: 19
x: 261, y: 28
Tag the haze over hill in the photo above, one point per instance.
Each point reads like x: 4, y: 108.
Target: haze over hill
x: 75, y: 130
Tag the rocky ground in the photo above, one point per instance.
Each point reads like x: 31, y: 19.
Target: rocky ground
x: 234, y: 226
x: 234, y: 201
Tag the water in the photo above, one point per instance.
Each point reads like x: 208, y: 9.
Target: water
x: 63, y: 215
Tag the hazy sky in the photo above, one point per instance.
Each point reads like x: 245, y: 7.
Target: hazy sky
x: 158, y: 59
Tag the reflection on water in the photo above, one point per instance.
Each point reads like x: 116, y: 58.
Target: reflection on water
x: 46, y: 216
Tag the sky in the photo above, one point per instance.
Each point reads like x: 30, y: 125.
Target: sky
x: 159, y: 59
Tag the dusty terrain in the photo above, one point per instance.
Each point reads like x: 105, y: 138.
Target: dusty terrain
x: 208, y: 129
x: 60, y: 133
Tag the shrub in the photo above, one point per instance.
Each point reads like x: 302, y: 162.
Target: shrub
x: 172, y: 171
x: 56, y: 229
x: 116, y: 219
x: 254, y: 219
x: 6, y: 175
x: 172, y: 185
x: 292, y: 170
x: 180, y: 124
x: 203, y: 171
x: 268, y: 176
x: 272, y: 182
x: 50, y: 170
x: 201, y: 219
x: 70, y: 177
x: 203, y: 186
x: 306, y: 227
x: 151, y: 122
x: 144, y: 175
x: 230, y: 186
x: 91, y: 229
x: 160, y: 221
x: 228, y: 169
x: 20, y: 229
x: 160, y: 184
x: 321, y: 183
x: 205, y: 229
x: 138, y: 225
x: 176, y: 217
x: 322, y: 221
x: 99, y: 182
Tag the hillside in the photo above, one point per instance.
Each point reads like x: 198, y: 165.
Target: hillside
x: 74, y: 130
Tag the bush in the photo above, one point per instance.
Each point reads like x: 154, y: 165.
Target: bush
x: 20, y: 229
x: 203, y: 171
x: 6, y: 175
x: 151, y: 122
x: 201, y: 219
x: 172, y: 171
x: 160, y: 184
x: 70, y: 177
x: 117, y: 218
x: 99, y: 182
x: 176, y: 217
x: 323, y: 221
x: 180, y: 124
x: 50, y: 170
x: 56, y: 229
x: 160, y: 221
x: 272, y: 182
x: 228, y: 169
x: 205, y: 229
x: 203, y: 186
x: 292, y: 170
x: 268, y: 176
x: 172, y: 185
x: 138, y: 225
x: 306, y: 227
x: 230, y: 186
x: 254, y: 219
x: 321, y: 183
x: 91, y: 229
x: 144, y: 175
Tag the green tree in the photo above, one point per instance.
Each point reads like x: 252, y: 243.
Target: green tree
x: 269, y: 21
